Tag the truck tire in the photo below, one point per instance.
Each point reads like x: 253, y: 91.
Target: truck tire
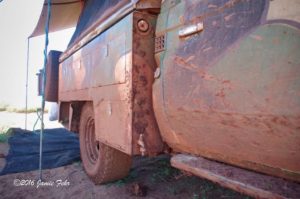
x: 102, y: 163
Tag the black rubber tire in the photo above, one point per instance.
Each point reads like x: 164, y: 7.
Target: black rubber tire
x: 102, y: 163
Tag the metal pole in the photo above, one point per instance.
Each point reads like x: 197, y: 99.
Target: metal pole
x: 43, y: 87
x: 26, y: 92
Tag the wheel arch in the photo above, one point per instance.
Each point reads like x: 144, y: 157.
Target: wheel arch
x: 69, y: 114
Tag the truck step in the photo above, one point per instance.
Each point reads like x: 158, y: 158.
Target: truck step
x: 241, y: 180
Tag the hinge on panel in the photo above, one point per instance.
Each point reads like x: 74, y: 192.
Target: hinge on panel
x: 160, y: 43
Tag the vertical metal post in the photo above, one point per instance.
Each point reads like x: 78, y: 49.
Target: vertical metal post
x: 44, y: 85
x: 26, y: 90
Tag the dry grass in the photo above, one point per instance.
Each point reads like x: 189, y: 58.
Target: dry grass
x: 6, y: 107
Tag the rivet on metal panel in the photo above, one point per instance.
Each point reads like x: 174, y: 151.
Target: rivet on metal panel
x: 191, y: 29
x: 157, y: 73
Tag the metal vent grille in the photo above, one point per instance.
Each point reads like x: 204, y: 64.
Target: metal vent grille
x: 160, y: 43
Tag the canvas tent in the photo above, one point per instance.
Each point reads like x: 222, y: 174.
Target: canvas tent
x: 67, y: 14
x: 64, y: 14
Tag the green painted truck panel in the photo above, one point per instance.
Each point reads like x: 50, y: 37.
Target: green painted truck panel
x: 230, y: 92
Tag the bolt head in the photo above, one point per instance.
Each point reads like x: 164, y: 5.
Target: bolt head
x: 143, y: 25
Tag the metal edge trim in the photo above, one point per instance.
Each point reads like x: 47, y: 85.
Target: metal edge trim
x: 99, y: 29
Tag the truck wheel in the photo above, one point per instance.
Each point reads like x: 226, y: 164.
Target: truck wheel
x: 101, y: 162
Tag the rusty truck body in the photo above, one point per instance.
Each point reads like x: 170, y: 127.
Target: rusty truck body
x: 217, y: 82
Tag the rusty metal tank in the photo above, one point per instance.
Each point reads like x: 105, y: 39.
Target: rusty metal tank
x: 227, y: 85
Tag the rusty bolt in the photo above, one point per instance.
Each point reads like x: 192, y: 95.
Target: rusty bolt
x: 143, y: 25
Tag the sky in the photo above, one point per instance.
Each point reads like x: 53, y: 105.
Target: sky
x: 18, y: 19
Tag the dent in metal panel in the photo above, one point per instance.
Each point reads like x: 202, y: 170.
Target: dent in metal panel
x: 109, y: 58
x: 101, y: 62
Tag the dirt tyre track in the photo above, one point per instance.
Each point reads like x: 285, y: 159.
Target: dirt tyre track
x: 101, y: 162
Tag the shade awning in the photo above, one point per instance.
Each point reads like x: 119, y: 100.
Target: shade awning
x: 64, y: 14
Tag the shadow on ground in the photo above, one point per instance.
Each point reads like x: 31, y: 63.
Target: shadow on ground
x: 155, y: 177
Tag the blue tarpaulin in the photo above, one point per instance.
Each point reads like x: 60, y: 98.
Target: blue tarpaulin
x: 60, y: 147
